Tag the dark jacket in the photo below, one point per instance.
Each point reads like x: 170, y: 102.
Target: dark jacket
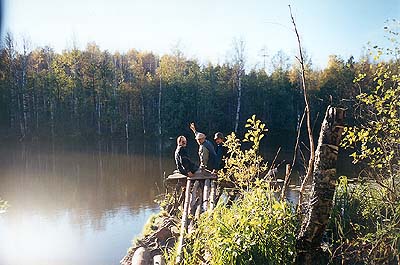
x: 183, y: 162
x: 221, y: 153
x: 212, y: 156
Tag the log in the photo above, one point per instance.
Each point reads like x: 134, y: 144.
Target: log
x: 206, y: 194
x: 323, y: 188
x: 193, y: 197
x: 194, y: 201
x: 212, y: 195
x: 183, y: 222
x: 199, y: 205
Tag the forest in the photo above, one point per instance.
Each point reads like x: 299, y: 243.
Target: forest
x: 94, y: 93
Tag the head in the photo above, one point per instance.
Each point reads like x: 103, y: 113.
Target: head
x: 219, y: 138
x: 181, y: 140
x: 200, y: 138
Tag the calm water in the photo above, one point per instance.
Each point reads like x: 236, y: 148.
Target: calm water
x: 79, y: 204
x: 76, y: 205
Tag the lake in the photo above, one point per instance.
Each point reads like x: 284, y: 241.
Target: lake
x: 79, y: 204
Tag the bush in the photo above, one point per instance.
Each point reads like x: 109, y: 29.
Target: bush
x: 367, y: 225
x: 243, y: 166
x: 256, y: 229
x: 364, y: 226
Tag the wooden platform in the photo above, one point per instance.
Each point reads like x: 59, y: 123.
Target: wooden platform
x: 197, y: 176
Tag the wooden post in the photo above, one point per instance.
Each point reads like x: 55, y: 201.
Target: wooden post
x: 183, y: 222
x: 193, y: 197
x: 199, y: 204
x: 287, y: 169
x: 194, y: 201
x: 323, y: 188
x: 206, y: 194
x: 286, y: 182
x: 212, y: 195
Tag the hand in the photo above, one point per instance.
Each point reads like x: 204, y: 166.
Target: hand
x: 190, y: 174
x: 193, y: 127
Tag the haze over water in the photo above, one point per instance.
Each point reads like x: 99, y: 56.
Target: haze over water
x: 75, y: 205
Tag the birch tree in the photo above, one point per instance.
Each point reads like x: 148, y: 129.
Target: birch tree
x: 238, y: 64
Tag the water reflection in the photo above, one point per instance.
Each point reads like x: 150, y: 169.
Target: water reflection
x: 80, y: 203
x: 75, y: 205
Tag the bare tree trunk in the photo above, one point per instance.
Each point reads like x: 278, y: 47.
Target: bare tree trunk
x: 308, y: 116
x: 238, y: 104
x: 10, y: 51
x: 239, y: 61
x: 23, y: 91
x: 323, y: 188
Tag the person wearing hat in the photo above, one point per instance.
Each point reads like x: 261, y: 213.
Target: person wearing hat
x: 207, y: 153
x: 220, y: 150
x: 182, y: 160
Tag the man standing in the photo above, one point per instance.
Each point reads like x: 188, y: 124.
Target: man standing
x: 207, y: 153
x: 220, y: 150
x: 182, y: 160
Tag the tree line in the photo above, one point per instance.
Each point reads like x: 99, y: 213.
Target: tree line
x: 94, y: 93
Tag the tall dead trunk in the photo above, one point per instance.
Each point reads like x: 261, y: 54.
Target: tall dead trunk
x: 239, y: 63
x: 23, y: 90
x: 239, y: 99
x: 308, y: 116
x: 323, y: 187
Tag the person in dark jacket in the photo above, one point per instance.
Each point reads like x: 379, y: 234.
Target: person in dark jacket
x: 182, y: 160
x: 220, y: 150
x: 207, y: 153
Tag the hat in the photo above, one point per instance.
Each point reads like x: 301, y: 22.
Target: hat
x: 200, y: 136
x: 218, y: 135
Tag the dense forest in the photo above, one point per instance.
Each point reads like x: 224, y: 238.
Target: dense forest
x: 90, y: 92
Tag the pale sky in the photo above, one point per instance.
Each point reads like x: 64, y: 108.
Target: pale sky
x: 203, y: 29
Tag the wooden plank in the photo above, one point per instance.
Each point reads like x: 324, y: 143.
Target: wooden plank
x: 197, y: 176
x: 176, y: 176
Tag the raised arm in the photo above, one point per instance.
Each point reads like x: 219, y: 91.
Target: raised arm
x: 193, y: 128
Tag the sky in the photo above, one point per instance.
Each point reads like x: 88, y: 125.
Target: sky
x: 205, y: 29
